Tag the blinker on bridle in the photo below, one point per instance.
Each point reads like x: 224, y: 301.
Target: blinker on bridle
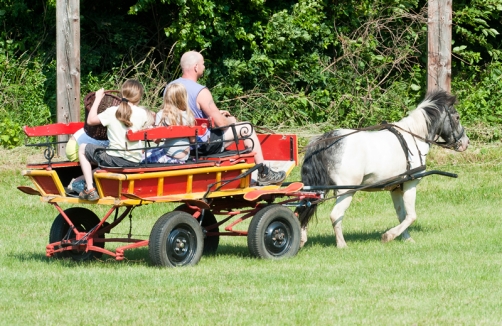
x: 457, y: 141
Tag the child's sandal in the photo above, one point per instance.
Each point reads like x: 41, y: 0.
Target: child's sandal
x: 90, y: 194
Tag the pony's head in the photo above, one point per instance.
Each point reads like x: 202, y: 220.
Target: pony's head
x: 452, y: 131
x: 444, y: 120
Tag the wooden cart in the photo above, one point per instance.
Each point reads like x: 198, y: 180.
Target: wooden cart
x: 206, y: 187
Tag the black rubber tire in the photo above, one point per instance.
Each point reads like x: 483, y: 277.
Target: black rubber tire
x: 84, y: 220
x: 176, y: 240
x: 274, y: 233
x: 210, y: 243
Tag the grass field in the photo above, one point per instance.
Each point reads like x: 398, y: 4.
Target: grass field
x: 452, y: 275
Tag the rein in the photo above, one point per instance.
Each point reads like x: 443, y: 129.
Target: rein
x: 380, y: 184
x: 383, y: 126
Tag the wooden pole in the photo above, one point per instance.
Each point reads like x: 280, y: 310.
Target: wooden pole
x: 439, y: 45
x: 68, y: 63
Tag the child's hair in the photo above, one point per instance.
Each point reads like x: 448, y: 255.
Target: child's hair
x: 132, y: 91
x: 176, y: 101
x: 150, y: 121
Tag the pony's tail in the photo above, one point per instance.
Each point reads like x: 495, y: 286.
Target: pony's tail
x: 305, y: 214
x: 313, y: 173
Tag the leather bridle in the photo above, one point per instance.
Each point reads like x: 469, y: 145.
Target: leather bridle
x: 457, y: 140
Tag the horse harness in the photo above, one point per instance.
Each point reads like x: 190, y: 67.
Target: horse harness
x: 457, y: 141
x: 403, y: 143
x: 393, y: 128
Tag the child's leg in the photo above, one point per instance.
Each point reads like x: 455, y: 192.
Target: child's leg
x: 86, y: 166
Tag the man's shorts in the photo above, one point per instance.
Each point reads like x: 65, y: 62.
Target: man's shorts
x: 102, y: 158
x: 215, y: 144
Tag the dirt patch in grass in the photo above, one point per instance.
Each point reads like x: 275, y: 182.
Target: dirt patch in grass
x: 16, y: 159
x: 477, y: 153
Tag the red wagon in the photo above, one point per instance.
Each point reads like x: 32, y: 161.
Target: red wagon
x: 206, y: 188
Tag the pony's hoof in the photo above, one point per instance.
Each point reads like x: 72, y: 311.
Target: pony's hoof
x: 410, y: 240
x: 386, y: 237
x: 341, y: 246
x: 302, y: 243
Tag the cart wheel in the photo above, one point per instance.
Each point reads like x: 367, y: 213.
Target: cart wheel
x: 274, y: 233
x: 210, y: 243
x: 176, y: 240
x: 84, y: 220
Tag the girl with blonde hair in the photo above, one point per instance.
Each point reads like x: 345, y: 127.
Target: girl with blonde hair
x: 174, y: 112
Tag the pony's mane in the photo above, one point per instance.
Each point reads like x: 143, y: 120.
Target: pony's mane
x: 427, y: 112
x: 417, y: 121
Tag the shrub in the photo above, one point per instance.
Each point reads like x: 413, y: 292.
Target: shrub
x: 22, y: 96
x: 10, y: 133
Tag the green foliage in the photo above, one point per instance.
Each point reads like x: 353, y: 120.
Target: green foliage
x: 22, y: 96
x: 477, y: 24
x: 277, y: 63
x: 109, y: 36
x: 25, y: 24
x: 9, y: 133
x: 374, y: 75
x: 480, y: 104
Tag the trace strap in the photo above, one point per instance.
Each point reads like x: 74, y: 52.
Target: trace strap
x: 404, y: 144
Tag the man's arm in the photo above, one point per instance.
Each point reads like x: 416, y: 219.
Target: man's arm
x: 207, y: 105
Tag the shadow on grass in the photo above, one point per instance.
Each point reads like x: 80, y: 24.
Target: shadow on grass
x: 327, y: 240
x: 134, y: 256
x: 30, y: 257
x: 137, y: 256
x: 140, y: 256
x: 233, y: 250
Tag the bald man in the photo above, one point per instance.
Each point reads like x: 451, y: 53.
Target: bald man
x: 202, y: 105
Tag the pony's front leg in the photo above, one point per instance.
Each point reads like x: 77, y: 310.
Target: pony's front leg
x: 409, y: 196
x: 337, y: 214
x: 397, y: 199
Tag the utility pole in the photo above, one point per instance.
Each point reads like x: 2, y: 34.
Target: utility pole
x: 439, y: 45
x: 68, y: 63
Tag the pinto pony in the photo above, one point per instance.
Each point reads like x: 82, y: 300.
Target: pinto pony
x: 366, y: 158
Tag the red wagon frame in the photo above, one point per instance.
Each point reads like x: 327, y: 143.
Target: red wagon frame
x: 209, y: 187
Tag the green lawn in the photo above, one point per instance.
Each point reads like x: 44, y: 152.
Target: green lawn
x: 452, y: 275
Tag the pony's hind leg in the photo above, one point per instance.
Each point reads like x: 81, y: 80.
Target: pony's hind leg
x: 337, y: 214
x: 397, y: 199
x: 408, y: 199
x: 303, y: 237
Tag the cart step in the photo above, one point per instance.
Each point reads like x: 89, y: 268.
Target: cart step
x: 29, y: 190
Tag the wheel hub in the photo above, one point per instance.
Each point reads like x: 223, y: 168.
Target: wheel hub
x: 179, y: 245
x: 276, y: 238
x: 278, y: 235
